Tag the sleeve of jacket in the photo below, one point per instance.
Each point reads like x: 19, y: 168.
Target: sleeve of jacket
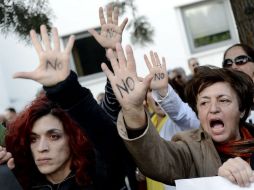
x: 110, y: 104
x: 161, y: 160
x: 179, y: 111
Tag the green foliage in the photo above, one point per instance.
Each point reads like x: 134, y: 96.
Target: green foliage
x: 20, y: 16
x: 141, y: 30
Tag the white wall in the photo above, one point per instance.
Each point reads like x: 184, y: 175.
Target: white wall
x: 72, y: 16
x: 16, y: 57
x: 4, y: 100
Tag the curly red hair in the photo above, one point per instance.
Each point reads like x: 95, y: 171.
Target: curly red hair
x: 18, y: 143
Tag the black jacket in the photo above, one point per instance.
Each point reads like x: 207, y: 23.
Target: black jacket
x: 112, y: 158
x: 68, y: 184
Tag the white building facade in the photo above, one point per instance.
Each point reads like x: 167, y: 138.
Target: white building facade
x: 183, y: 29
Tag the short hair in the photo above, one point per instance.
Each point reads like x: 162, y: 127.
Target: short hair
x: 206, y: 76
x: 247, y: 49
x: 18, y: 142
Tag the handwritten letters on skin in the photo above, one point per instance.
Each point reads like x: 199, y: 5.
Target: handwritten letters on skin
x: 56, y: 65
x: 128, y: 84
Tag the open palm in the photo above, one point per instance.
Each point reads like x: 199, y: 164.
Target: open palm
x: 158, y: 70
x: 54, y: 63
x: 110, y: 33
x: 129, y: 90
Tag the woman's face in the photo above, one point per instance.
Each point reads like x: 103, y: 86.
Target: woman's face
x: 218, y: 111
x: 247, y: 68
x: 50, y: 148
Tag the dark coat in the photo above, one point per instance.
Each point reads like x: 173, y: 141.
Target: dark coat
x: 68, y: 184
x: 111, y: 154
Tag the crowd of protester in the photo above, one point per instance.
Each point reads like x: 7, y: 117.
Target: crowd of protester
x: 141, y: 133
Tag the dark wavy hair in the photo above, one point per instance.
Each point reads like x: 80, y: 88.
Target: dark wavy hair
x: 206, y: 76
x: 18, y: 143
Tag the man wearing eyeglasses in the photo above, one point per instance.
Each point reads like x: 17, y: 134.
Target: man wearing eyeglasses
x: 241, y: 57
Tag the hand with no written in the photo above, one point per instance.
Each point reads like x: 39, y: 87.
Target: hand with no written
x: 159, y: 72
x: 111, y: 32
x: 129, y: 90
x: 54, y: 63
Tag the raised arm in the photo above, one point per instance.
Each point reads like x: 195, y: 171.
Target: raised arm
x: 110, y: 34
x: 166, y: 97
x: 129, y: 91
x: 134, y: 126
x: 62, y: 87
x: 54, y: 62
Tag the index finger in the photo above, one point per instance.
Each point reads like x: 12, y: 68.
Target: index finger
x: 70, y: 44
x: 120, y: 55
x: 35, y: 42
x: 164, y: 63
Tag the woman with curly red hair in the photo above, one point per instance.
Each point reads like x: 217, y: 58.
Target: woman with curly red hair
x: 49, y: 148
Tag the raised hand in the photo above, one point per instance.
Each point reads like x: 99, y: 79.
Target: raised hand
x: 129, y: 90
x: 54, y: 63
x: 159, y: 72
x: 237, y: 171
x: 110, y: 33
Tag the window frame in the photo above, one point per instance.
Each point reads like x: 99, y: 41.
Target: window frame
x: 87, y: 78
x: 189, y: 38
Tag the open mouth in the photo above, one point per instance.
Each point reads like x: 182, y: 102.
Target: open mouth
x: 216, y: 123
x: 217, y: 126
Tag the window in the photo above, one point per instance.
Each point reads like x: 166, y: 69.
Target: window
x: 87, y: 55
x: 208, y: 25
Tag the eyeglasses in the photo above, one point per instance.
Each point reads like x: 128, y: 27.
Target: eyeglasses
x: 240, y: 60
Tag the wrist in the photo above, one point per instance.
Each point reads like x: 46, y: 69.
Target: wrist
x: 135, y: 118
x: 163, y: 92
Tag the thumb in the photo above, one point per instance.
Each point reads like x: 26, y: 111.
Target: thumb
x: 24, y: 75
x: 95, y: 34
x: 11, y: 164
x: 147, y: 81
